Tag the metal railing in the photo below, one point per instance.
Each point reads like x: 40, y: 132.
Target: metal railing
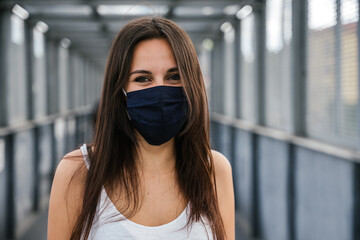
x: 29, y: 154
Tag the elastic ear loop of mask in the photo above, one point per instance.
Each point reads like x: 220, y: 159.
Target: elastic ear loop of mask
x: 125, y: 94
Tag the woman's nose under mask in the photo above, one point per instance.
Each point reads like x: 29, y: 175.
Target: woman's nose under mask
x: 158, y: 113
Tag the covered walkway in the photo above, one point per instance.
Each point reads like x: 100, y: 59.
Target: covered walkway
x: 282, y: 79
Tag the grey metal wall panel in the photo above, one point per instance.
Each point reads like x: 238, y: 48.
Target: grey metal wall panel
x: 272, y: 173
x: 72, y: 80
x: 4, y: 32
x: 242, y: 170
x: 88, y: 128
x: 53, y: 76
x: 80, y: 134
x: 100, y: 81
x: 217, y: 79
x: 84, y: 126
x: 249, y: 74
x: 324, y: 196
x: 45, y: 165
x: 71, y: 134
x: 24, y: 178
x: 64, y: 84
x: 229, y: 74
x: 17, y: 72
x: 88, y: 83
x: 75, y: 71
x: 214, y: 135
x: 60, y: 128
x: 278, y: 67
x: 225, y: 140
x: 39, y: 84
x: 81, y: 81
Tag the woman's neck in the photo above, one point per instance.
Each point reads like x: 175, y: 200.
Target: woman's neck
x: 156, y: 160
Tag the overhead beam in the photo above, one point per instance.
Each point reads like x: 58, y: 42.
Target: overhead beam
x: 132, y: 2
x: 84, y: 35
x: 104, y: 31
x: 91, y: 47
x: 80, y: 36
x: 56, y: 19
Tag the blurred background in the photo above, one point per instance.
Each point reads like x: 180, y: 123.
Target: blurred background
x: 283, y: 84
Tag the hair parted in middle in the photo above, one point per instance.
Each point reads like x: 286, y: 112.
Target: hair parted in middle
x: 113, y: 159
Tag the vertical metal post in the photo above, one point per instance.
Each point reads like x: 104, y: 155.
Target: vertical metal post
x: 260, y: 62
x: 356, y: 189
x: 358, y: 74
x: 37, y: 159
x: 237, y: 27
x: 356, y: 212
x: 52, y: 59
x: 338, y: 102
x: 232, y: 144
x: 213, y: 77
x: 298, y: 87
x: 291, y: 206
x: 54, y: 154
x: 220, y: 83
x: 298, y: 102
x: 10, y: 210
x: 259, y: 11
x: 3, y: 69
x: 29, y: 69
x: 255, y: 220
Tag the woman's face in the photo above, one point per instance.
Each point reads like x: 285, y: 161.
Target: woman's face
x: 153, y: 64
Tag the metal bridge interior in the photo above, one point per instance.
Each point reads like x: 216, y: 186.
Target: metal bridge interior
x: 282, y: 84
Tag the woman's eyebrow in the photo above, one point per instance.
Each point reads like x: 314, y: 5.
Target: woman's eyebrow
x: 174, y: 69
x: 140, y: 71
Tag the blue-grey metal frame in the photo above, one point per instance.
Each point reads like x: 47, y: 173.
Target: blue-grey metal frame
x: 83, y: 117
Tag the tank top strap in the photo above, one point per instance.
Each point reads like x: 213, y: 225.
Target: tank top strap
x: 84, y: 152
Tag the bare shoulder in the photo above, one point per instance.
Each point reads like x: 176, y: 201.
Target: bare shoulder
x: 66, y: 195
x: 221, y: 164
x: 225, y: 192
x: 72, y: 166
x: 223, y: 173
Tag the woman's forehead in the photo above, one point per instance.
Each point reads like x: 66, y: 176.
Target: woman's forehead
x: 154, y: 53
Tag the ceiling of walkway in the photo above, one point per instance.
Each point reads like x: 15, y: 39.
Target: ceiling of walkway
x: 91, y: 25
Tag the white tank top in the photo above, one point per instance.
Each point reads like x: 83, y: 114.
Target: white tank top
x: 108, y: 226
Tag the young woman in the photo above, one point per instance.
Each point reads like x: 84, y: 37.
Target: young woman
x: 150, y: 172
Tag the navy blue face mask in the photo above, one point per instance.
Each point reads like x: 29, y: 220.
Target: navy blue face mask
x: 157, y: 113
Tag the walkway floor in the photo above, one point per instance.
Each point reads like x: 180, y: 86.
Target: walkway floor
x: 38, y: 229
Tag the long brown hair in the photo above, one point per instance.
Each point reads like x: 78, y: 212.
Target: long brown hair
x: 112, y: 162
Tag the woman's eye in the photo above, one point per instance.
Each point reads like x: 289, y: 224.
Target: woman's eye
x: 142, y: 79
x: 175, y: 77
